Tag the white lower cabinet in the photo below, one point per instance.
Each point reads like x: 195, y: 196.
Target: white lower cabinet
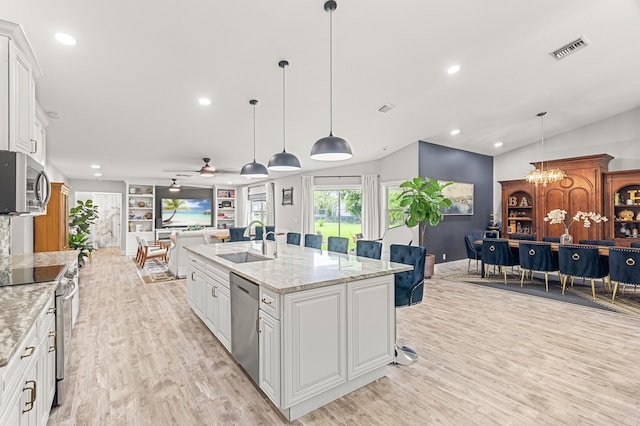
x: 223, y: 319
x: 269, y: 343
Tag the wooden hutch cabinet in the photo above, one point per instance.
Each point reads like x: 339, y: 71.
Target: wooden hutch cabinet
x: 51, y: 231
x: 518, y: 212
x: 582, y: 190
x: 622, y: 206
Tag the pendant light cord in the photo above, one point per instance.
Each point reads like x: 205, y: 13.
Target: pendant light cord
x: 331, y: 73
x: 542, y: 143
x: 254, y: 132
x: 284, y: 117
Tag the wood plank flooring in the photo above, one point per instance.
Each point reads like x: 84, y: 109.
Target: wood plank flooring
x: 487, y: 356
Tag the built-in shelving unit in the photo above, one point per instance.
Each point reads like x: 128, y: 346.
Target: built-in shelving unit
x: 623, y: 197
x: 225, y: 208
x: 140, y: 214
x: 518, y: 210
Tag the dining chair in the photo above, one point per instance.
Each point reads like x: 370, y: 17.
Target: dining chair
x: 581, y: 261
x: 236, y: 234
x: 538, y: 257
x: 293, y: 238
x: 338, y: 244
x: 624, y: 267
x: 551, y: 239
x: 474, y: 251
x: 635, y: 245
x: 313, y: 241
x: 368, y: 248
x: 409, y: 288
x: 496, y: 251
x: 597, y: 242
x: 259, y: 231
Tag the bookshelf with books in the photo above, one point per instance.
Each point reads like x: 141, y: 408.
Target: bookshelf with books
x: 225, y: 208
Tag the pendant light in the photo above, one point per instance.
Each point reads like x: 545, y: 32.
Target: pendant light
x: 174, y: 187
x: 331, y: 148
x: 254, y: 169
x: 542, y: 176
x: 283, y: 161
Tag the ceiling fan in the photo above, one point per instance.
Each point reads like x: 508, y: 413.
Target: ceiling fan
x: 205, y: 171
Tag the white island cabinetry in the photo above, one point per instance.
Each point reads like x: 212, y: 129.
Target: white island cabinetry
x: 326, y: 321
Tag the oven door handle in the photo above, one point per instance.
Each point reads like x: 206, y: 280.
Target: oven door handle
x: 73, y: 292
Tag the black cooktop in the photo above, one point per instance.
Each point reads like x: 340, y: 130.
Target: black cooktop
x: 36, y: 274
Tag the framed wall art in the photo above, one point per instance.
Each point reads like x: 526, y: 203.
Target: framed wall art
x: 287, y: 196
x: 461, y: 196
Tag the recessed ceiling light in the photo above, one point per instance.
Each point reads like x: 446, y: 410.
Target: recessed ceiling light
x: 66, y: 39
x: 498, y: 144
x: 455, y: 132
x: 97, y: 174
x: 229, y: 183
x: 453, y: 69
x: 204, y: 101
x: 96, y: 166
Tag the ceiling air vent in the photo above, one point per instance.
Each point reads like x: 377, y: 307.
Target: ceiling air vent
x: 386, y: 108
x: 570, y: 48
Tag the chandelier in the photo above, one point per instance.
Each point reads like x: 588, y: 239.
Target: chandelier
x: 542, y: 176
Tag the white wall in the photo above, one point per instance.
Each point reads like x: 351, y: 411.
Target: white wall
x: 618, y: 136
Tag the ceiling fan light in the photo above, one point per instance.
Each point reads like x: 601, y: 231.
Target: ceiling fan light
x: 254, y: 170
x: 207, y: 171
x: 331, y: 148
x: 174, y: 187
x: 284, y: 162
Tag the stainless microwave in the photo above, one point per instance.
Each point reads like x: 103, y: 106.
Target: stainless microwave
x: 24, y: 186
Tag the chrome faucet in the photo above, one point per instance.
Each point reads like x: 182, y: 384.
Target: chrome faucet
x: 264, y: 236
x: 275, y: 241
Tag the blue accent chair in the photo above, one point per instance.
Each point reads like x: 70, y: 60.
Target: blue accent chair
x: 338, y: 244
x: 523, y: 237
x: 598, y: 242
x: 293, y: 238
x: 370, y: 249
x: 624, y: 267
x: 313, y: 241
x: 409, y: 288
x: 269, y: 229
x: 496, y: 251
x: 635, y: 245
x: 551, y: 239
x: 474, y: 251
x: 537, y: 257
x: 236, y: 234
x: 582, y: 261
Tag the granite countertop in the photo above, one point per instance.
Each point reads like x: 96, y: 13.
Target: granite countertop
x: 296, y: 267
x: 21, y: 304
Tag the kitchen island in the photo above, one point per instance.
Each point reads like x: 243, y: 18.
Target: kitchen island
x: 326, y: 321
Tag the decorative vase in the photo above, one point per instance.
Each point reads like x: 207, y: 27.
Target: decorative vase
x: 566, y: 238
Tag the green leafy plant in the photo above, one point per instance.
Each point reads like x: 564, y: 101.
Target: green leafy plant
x: 422, y: 199
x: 81, y: 217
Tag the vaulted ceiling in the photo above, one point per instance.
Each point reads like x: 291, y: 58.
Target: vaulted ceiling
x: 126, y: 95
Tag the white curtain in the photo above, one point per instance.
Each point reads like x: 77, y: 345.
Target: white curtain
x: 370, y: 207
x: 306, y: 202
x: 245, y: 214
x: 271, y: 206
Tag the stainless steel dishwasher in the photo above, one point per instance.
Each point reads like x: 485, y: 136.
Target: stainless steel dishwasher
x: 244, y: 324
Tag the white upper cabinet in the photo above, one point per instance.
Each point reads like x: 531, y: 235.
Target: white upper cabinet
x: 18, y: 70
x: 40, y: 124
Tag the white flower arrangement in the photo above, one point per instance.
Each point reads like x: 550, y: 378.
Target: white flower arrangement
x: 558, y: 216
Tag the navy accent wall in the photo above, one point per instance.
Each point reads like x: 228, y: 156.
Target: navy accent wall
x: 444, y: 163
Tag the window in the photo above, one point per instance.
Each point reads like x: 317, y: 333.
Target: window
x: 259, y: 210
x: 338, y: 213
x: 395, y: 213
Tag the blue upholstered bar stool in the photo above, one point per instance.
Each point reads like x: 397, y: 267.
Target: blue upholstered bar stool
x: 313, y: 241
x: 635, y: 245
x: 259, y: 232
x: 498, y: 253
x: 235, y: 234
x: 537, y: 257
x: 474, y: 251
x: 551, y: 239
x: 409, y: 288
x: 293, y: 238
x: 370, y: 249
x: 582, y: 261
x: 338, y: 244
x: 598, y: 242
x: 624, y: 267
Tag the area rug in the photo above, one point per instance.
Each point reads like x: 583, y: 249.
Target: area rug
x: 580, y: 294
x: 154, y: 271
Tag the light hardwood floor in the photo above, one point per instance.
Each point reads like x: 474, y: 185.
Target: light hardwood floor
x: 487, y: 356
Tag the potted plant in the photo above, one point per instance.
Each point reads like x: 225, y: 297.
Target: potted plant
x: 81, y: 217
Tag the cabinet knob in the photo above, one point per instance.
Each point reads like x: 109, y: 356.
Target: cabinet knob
x: 265, y: 301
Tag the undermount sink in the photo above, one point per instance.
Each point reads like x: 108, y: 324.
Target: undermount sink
x: 244, y: 257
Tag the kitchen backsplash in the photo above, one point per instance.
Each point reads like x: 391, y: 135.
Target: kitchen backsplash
x: 5, y: 248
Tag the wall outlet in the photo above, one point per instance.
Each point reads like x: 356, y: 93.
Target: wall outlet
x: 444, y: 256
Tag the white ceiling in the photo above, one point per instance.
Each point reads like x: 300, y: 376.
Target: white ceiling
x: 127, y: 92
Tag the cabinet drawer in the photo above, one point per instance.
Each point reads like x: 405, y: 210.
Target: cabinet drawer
x: 270, y: 302
x: 46, y: 318
x: 197, y: 263
x: 25, y: 354
x: 219, y: 273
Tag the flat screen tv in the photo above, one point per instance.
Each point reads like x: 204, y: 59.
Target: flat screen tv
x: 186, y: 212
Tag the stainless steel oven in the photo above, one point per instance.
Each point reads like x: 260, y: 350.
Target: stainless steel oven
x: 65, y: 293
